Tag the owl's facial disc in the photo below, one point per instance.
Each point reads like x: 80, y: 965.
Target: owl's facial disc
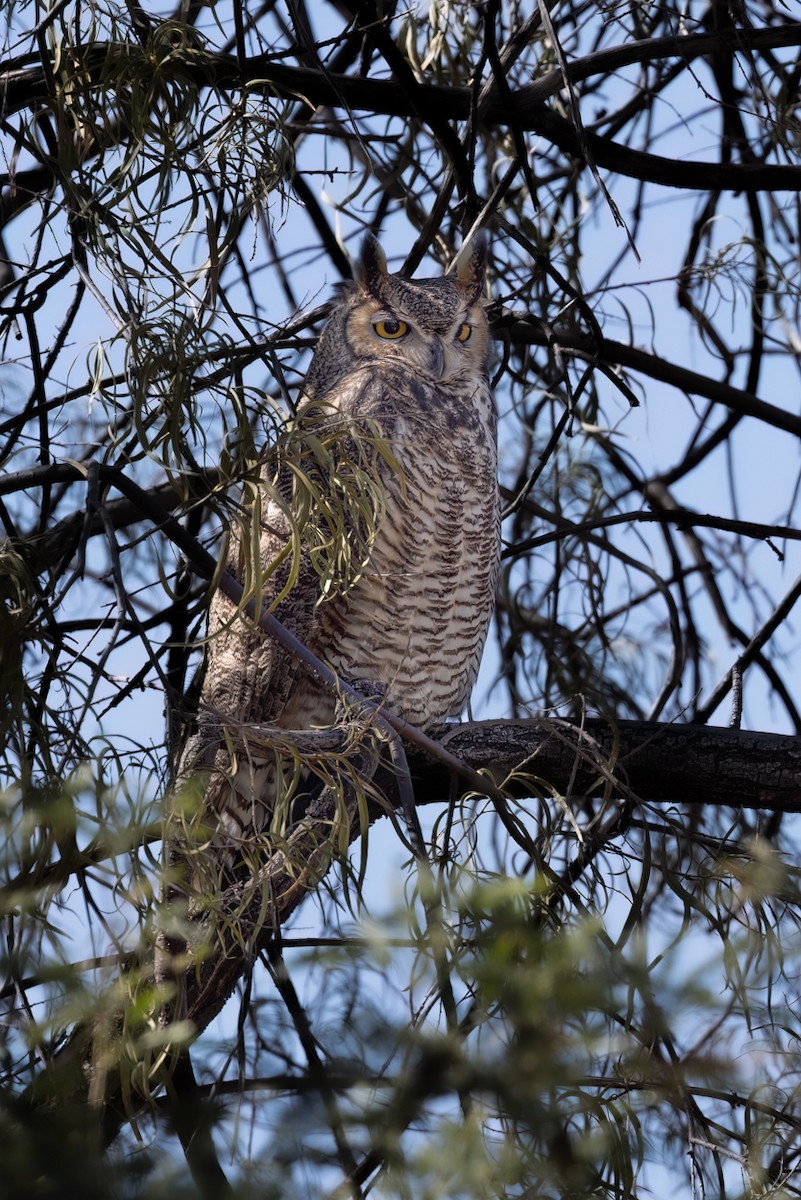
x: 439, y: 346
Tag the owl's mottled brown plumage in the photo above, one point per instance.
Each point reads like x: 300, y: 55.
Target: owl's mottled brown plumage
x: 401, y: 371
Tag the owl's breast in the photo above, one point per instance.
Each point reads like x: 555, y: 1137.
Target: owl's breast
x: 416, y: 620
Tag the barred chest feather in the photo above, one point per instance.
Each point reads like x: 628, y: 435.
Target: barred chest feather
x: 416, y: 620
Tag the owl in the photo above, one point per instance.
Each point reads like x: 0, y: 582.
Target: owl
x: 373, y: 531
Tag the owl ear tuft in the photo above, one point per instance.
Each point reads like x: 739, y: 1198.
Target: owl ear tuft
x: 372, y: 268
x: 470, y: 266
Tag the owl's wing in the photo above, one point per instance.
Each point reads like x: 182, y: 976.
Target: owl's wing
x: 247, y: 678
x: 306, y: 537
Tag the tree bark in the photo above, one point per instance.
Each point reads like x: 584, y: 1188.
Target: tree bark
x: 680, y: 764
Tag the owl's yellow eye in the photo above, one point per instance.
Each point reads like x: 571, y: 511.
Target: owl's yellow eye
x: 390, y: 328
x: 463, y: 332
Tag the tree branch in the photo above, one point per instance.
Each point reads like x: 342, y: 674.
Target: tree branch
x: 678, y: 764
x: 22, y: 86
x: 529, y: 331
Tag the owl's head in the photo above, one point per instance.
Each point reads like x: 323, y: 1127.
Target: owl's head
x: 436, y: 326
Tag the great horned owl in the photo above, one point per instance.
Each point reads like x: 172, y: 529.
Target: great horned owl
x: 401, y: 371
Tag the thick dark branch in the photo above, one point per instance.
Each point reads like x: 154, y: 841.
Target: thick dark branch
x: 679, y: 764
x: 22, y: 83
x: 23, y: 86
x: 606, y: 350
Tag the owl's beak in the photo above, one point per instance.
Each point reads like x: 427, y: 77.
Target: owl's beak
x: 436, y: 360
